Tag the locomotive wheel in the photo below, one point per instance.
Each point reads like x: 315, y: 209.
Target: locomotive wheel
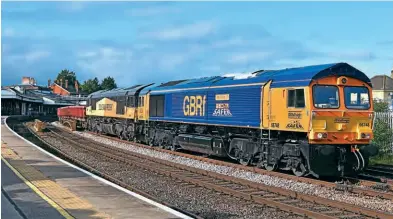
x: 300, y: 170
x: 245, y: 161
x: 161, y: 145
x: 270, y: 167
x: 121, y: 136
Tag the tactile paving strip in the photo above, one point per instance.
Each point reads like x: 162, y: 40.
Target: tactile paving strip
x: 59, y: 197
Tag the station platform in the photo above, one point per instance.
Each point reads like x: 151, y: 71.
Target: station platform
x: 35, y: 184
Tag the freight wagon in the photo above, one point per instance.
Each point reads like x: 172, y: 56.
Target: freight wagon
x: 72, y: 116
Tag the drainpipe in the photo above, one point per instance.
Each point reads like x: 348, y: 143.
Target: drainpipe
x: 383, y: 87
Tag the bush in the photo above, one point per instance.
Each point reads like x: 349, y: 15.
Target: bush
x: 381, y: 106
x: 383, y: 135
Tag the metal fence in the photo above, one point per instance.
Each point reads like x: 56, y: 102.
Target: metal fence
x: 386, y: 118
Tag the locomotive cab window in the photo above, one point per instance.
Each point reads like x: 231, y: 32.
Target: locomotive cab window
x: 93, y: 104
x: 326, y: 96
x: 296, y: 98
x: 356, y: 97
x: 131, y: 101
x: 141, y: 101
x: 120, y: 101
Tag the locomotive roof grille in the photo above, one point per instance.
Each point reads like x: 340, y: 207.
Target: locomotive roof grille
x: 133, y: 87
x: 172, y: 83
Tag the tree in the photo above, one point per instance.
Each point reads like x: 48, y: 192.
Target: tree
x: 381, y: 106
x: 383, y: 134
x: 108, y: 83
x: 91, y: 85
x: 65, y: 74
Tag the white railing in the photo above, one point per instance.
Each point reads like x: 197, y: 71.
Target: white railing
x: 387, y: 118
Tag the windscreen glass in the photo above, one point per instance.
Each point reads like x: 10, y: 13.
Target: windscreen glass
x: 326, y: 96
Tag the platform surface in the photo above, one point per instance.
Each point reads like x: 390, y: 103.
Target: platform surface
x: 52, y: 189
x: 18, y: 200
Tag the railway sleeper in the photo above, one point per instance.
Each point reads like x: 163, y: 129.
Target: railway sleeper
x: 348, y: 216
x: 248, y: 190
x: 247, y: 196
x: 290, y: 201
x: 262, y: 192
x: 281, y: 198
x: 332, y: 212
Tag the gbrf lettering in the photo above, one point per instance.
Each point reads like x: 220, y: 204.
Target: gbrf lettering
x: 194, y: 105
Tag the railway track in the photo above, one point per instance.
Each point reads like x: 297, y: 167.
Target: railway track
x: 56, y: 151
x: 301, y: 204
x: 380, y: 189
x: 379, y: 170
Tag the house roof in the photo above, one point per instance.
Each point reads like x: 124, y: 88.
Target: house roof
x: 71, y: 88
x: 11, y: 93
x: 378, y: 82
x: 290, y: 77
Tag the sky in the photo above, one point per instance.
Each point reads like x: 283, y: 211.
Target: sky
x: 144, y: 42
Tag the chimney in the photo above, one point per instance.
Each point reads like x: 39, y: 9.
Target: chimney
x: 391, y: 73
x: 66, y: 84
x: 76, y: 87
x: 48, y: 82
x: 61, y: 82
x: 25, y: 80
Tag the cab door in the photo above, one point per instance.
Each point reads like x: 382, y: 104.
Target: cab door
x: 265, y: 105
x: 143, y: 107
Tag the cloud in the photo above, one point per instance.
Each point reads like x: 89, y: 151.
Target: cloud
x: 130, y: 67
x: 171, y: 61
x: 189, y: 31
x: 74, y: 6
x: 9, y: 32
x: 353, y: 55
x: 243, y: 58
x: 28, y: 57
x: 105, y: 61
x: 36, y: 55
x: 151, y: 11
x: 233, y: 41
x: 385, y: 42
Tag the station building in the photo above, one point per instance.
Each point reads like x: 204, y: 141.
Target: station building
x: 28, y: 98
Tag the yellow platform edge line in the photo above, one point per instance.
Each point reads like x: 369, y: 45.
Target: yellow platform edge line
x: 38, y: 192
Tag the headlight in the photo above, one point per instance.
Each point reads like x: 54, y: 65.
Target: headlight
x: 321, y: 135
x: 364, y: 135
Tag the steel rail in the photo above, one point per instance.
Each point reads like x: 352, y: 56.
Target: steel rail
x: 87, y: 167
x: 206, y: 178
x: 338, y: 186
